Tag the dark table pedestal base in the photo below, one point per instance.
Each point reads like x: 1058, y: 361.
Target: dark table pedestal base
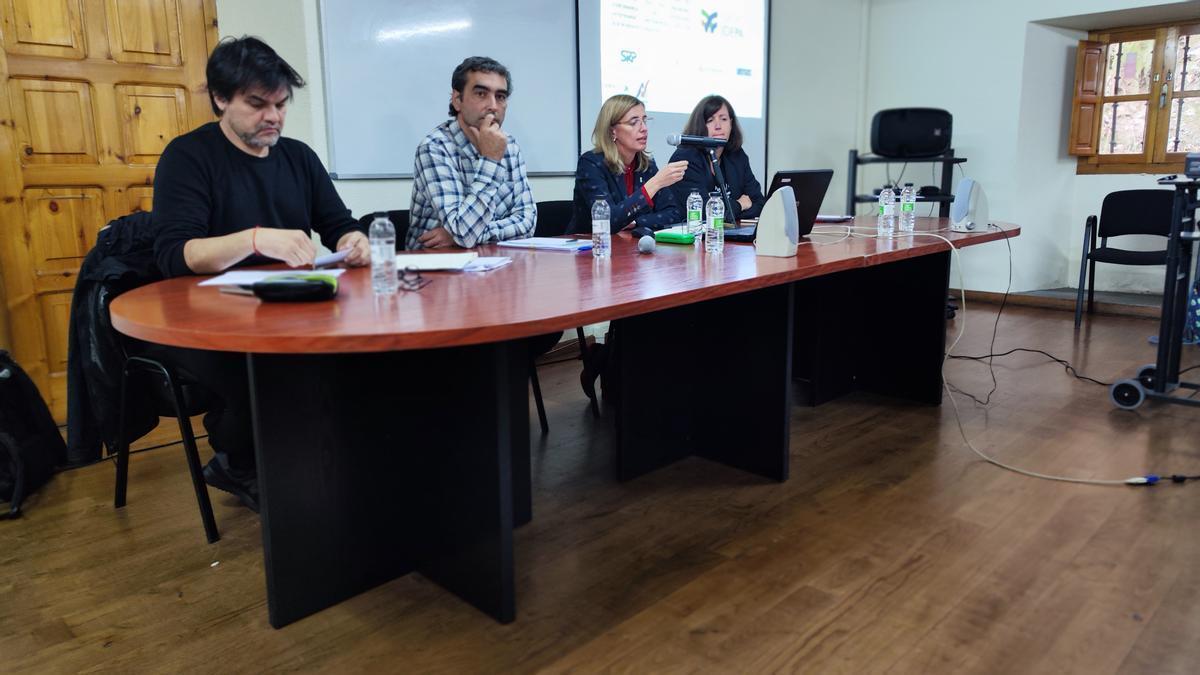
x: 710, y: 379
x: 375, y: 465
x: 880, y: 329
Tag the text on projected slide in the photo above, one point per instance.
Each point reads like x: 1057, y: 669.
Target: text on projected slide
x: 670, y: 53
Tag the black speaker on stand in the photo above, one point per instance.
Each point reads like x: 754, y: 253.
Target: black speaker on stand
x: 913, y: 133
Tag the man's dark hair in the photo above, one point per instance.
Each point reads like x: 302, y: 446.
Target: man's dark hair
x: 697, y: 124
x: 241, y: 64
x: 477, y: 64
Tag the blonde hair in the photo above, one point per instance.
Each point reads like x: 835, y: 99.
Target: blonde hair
x: 610, y: 114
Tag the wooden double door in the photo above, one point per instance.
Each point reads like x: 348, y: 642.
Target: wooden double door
x: 91, y: 91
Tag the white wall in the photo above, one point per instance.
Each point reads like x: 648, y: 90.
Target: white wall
x: 1007, y: 83
x: 817, y: 57
x: 808, y: 115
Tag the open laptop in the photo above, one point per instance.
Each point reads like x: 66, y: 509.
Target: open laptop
x: 809, y: 186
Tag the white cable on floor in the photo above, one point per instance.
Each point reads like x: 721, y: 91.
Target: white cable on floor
x: 1135, y: 480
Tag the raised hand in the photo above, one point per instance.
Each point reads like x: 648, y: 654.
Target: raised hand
x: 488, y: 138
x: 666, y: 177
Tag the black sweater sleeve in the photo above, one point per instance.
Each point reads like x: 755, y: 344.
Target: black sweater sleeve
x: 330, y: 217
x: 182, y: 205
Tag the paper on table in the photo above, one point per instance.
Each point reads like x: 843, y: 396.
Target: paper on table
x: 331, y: 259
x: 428, y: 262
x: 245, y: 278
x: 486, y: 264
x: 547, y: 243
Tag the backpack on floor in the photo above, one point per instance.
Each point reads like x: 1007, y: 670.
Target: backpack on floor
x: 30, y: 445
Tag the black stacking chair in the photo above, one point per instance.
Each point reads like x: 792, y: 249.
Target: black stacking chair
x: 176, y: 397
x: 1123, y: 212
x: 399, y: 219
x: 553, y: 217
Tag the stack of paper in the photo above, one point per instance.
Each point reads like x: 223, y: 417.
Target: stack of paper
x: 548, y: 243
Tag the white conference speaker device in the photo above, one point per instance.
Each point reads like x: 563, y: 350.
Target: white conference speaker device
x: 778, y: 226
x: 969, y: 210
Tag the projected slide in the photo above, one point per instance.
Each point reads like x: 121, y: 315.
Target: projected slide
x: 670, y: 53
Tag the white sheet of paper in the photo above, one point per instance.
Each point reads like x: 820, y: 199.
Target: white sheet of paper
x: 427, y: 262
x: 331, y: 259
x: 245, y: 278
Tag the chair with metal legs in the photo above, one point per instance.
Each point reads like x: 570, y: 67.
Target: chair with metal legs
x: 553, y: 217
x: 176, y: 398
x: 1145, y: 212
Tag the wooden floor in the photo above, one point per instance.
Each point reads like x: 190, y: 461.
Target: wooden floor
x: 892, y: 548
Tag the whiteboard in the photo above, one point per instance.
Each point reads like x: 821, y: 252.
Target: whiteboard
x: 387, y: 67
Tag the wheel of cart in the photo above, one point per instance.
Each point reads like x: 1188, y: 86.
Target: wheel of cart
x: 1146, y: 375
x: 1127, y: 394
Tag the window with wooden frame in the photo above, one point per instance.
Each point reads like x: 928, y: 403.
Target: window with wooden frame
x: 1136, y: 104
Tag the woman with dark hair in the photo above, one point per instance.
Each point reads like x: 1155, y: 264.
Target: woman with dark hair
x: 713, y: 116
x: 620, y: 171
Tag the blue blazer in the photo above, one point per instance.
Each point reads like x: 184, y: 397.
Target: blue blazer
x: 594, y: 181
x: 736, y: 167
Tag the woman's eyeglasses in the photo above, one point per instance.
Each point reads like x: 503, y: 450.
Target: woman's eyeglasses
x: 637, y: 122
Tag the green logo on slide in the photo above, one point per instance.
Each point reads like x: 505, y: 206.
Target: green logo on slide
x: 710, y: 21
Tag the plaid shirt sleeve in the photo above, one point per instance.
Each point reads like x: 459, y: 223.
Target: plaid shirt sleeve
x: 520, y: 222
x: 465, y: 216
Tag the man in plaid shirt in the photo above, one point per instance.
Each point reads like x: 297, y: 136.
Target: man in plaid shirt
x: 470, y: 186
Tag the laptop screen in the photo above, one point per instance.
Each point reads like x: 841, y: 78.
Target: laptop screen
x: 809, y: 186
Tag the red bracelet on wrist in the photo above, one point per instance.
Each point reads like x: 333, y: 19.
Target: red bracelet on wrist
x: 254, y: 241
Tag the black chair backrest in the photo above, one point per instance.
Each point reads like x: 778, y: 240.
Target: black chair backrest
x: 399, y: 220
x: 1136, y: 212
x: 553, y: 217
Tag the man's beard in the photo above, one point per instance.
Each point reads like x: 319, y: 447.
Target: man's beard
x: 252, y: 139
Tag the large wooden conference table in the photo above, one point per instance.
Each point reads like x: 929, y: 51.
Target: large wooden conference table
x: 393, y: 436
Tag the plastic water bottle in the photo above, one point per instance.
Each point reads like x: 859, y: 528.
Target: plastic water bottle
x: 384, y: 280
x: 908, y: 208
x: 695, y: 213
x: 714, y: 226
x: 601, y: 235
x: 886, y: 223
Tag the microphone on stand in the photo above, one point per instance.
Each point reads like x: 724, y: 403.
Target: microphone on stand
x: 710, y: 145
x: 699, y: 141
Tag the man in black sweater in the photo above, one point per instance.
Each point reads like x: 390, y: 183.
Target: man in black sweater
x: 234, y: 192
